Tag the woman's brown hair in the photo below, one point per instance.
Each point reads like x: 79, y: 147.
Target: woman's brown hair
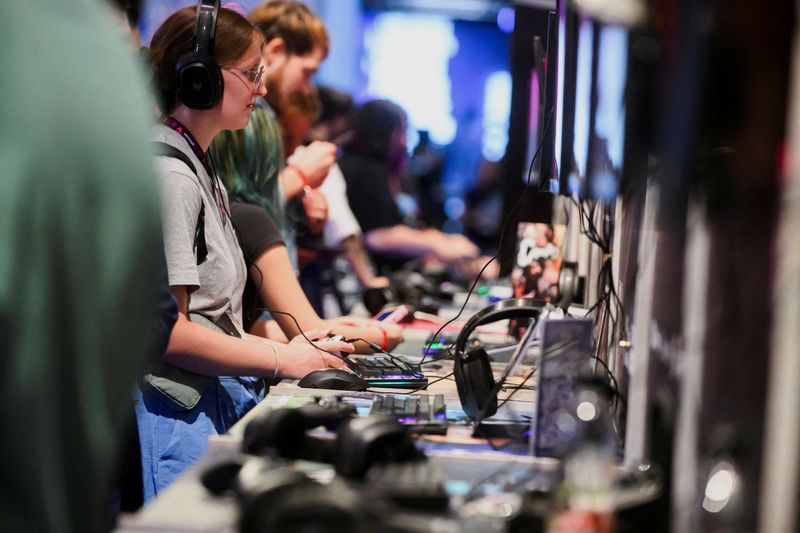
x: 175, y: 37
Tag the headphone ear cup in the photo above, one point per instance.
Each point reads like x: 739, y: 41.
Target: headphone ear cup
x: 364, y: 441
x: 198, y: 78
x: 567, y: 284
x: 259, y: 487
x: 282, y: 431
x: 198, y: 81
x: 305, y: 505
x: 376, y: 298
x: 475, y: 382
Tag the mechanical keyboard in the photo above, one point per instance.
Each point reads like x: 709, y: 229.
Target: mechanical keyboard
x: 421, y: 413
x: 385, y: 371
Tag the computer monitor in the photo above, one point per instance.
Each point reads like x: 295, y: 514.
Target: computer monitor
x: 590, y: 105
x: 564, y: 103
x: 533, y: 173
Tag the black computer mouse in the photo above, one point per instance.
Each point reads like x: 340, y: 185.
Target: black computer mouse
x: 334, y: 379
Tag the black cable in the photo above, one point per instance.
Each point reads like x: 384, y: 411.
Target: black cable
x: 415, y: 391
x: 614, y: 385
x: 607, y: 322
x: 402, y: 364
x: 460, y: 311
x: 342, y: 356
x: 504, y: 227
x: 515, y: 387
x: 501, y: 404
x: 446, y: 376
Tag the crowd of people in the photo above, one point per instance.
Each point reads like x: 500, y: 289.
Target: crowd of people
x: 169, y: 275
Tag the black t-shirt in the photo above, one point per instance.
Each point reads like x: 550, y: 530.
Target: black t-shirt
x: 371, y: 201
x: 368, y: 192
x: 257, y: 233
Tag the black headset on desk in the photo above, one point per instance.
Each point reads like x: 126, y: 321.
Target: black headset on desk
x: 275, y: 496
x: 474, y: 378
x: 198, y: 78
x: 360, y: 442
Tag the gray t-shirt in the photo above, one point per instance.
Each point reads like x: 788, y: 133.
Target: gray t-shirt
x: 216, y: 285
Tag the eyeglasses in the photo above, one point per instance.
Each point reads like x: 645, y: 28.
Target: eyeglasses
x: 254, y: 75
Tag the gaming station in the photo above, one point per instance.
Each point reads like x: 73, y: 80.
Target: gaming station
x: 402, y: 266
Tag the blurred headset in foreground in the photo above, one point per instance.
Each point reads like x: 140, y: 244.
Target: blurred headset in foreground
x: 275, y: 496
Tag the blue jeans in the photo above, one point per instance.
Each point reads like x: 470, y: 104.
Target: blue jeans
x: 173, y: 440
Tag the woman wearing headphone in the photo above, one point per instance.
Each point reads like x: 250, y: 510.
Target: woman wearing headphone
x: 207, y: 82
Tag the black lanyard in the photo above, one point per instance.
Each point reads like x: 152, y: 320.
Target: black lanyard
x: 216, y: 190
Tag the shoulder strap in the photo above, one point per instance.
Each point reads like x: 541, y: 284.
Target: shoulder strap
x: 168, y: 150
x: 200, y: 247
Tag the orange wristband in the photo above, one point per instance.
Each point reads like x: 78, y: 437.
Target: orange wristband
x: 385, y: 344
x: 300, y: 173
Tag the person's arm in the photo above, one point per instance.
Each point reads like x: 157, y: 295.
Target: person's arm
x: 356, y: 255
x: 308, y: 166
x: 343, y: 232
x: 280, y: 291
x: 413, y: 243
x: 268, y: 329
x: 204, y: 351
x: 315, y: 206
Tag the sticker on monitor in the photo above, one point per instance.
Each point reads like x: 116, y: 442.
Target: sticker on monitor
x: 537, y: 263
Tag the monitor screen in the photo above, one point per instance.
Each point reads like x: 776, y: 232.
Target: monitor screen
x: 538, y: 84
x: 590, y: 111
x: 606, y: 130
x: 563, y: 86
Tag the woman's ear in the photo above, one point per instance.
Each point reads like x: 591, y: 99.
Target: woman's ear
x: 274, y: 53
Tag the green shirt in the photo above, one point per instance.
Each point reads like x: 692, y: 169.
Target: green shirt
x: 79, y: 259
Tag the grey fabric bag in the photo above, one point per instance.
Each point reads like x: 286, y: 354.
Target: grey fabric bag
x: 182, y: 388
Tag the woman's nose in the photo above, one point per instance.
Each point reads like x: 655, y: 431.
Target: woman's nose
x: 261, y: 88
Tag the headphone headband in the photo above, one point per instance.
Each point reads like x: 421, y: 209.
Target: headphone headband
x: 198, y: 78
x: 205, y: 27
x: 510, y: 308
x: 474, y: 378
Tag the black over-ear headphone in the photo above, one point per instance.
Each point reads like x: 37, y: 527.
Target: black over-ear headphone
x: 473, y: 373
x: 276, y: 497
x: 281, y: 499
x: 360, y: 441
x: 198, y: 78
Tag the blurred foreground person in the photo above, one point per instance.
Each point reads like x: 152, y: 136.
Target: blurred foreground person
x: 79, y: 259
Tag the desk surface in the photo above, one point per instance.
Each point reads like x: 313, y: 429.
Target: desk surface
x: 186, y: 506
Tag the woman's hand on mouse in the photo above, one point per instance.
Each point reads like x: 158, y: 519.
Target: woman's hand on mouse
x: 303, y: 357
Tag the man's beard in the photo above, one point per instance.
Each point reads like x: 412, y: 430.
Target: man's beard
x: 274, y: 95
